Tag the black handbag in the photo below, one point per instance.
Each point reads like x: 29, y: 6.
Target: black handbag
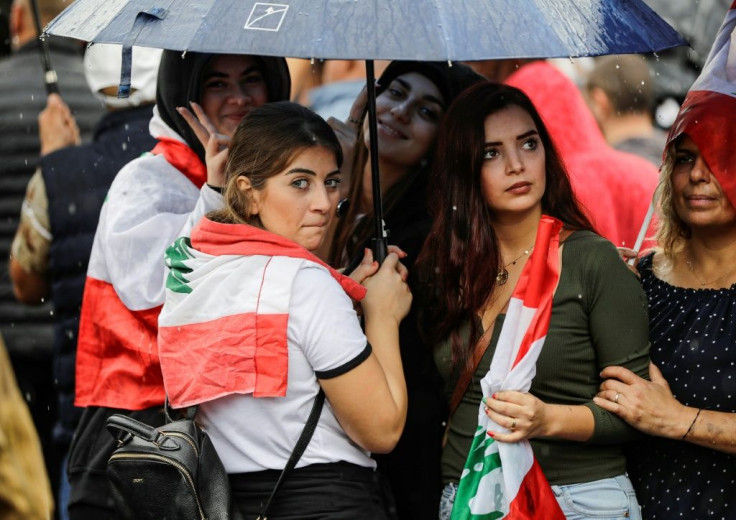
x: 173, y: 472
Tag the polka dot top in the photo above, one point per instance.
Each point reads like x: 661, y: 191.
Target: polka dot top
x: 693, y: 337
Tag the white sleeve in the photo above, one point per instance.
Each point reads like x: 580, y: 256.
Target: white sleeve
x: 150, y: 204
x: 324, y: 324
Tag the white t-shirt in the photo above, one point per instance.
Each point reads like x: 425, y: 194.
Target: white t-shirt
x: 324, y: 339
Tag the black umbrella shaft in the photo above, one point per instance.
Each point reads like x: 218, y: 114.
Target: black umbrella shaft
x: 379, y: 243
x: 49, y: 76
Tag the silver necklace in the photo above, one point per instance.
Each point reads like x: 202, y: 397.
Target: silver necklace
x: 502, y: 276
x: 691, y: 266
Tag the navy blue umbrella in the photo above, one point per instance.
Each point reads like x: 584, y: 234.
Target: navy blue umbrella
x: 436, y: 30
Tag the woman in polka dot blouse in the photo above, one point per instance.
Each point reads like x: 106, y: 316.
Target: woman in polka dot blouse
x: 686, y: 467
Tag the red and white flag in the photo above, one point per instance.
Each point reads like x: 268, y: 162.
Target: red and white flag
x: 708, y: 114
x: 500, y: 479
x: 223, y: 328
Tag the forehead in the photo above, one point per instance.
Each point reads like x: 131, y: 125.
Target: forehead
x: 419, y: 84
x: 510, y: 121
x: 230, y: 64
x: 685, y: 142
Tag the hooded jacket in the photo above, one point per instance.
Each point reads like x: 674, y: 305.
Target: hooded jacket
x: 152, y: 201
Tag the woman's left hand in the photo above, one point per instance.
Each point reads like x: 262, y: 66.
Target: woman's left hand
x: 648, y: 406
x: 521, y: 413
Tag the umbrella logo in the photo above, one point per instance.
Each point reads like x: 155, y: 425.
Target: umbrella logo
x: 266, y: 17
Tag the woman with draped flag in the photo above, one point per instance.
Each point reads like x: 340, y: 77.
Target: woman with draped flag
x: 687, y: 467
x: 526, y: 305
x: 255, y: 327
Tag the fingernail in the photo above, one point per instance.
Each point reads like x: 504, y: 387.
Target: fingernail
x: 491, y: 434
x: 494, y: 396
x: 484, y: 400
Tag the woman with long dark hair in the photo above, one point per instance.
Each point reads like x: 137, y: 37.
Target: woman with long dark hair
x: 412, y: 98
x: 496, y: 174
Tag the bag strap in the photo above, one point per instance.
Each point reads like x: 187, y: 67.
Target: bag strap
x: 301, y: 445
x: 464, y: 380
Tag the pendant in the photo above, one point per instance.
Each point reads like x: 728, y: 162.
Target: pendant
x: 502, y: 276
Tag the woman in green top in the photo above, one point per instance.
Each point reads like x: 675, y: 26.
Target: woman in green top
x: 496, y: 172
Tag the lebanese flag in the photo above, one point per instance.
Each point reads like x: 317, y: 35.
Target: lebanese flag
x: 504, y: 480
x: 149, y: 205
x: 708, y: 114
x: 223, y: 328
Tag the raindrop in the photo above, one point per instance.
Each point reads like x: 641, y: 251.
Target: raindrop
x: 618, y: 66
x: 72, y: 208
x: 51, y: 313
x: 454, y: 208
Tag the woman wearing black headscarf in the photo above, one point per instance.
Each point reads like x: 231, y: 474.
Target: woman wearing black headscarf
x: 153, y: 200
x: 412, y: 98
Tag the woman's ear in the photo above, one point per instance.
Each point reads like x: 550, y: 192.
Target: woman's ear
x: 242, y: 183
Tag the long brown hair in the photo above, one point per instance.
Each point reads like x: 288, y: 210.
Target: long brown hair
x: 458, y: 263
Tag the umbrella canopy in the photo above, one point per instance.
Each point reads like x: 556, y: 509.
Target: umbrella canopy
x: 456, y: 30
x: 431, y: 30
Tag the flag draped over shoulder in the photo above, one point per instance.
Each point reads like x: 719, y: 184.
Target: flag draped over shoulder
x: 708, y: 114
x: 503, y: 480
x: 223, y: 328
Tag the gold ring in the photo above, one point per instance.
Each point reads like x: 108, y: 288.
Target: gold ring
x: 513, y: 424
x: 615, y: 399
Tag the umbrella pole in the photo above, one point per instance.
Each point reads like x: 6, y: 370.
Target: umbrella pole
x: 378, y: 243
x: 49, y: 76
x: 643, y: 230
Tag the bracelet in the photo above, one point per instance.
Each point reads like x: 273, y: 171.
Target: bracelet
x: 218, y: 189
x: 692, y: 424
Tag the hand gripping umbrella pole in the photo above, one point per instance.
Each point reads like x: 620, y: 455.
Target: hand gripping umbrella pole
x: 379, y: 244
x: 49, y: 74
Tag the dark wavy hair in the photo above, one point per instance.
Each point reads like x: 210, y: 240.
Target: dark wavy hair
x: 458, y: 263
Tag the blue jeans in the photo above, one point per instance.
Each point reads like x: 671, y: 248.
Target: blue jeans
x: 606, y: 499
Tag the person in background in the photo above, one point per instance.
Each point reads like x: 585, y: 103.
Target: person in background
x: 687, y: 467
x: 245, y: 266
x: 153, y: 200
x: 28, y: 331
x: 620, y: 93
x: 412, y: 98
x: 496, y: 173
x: 51, y: 248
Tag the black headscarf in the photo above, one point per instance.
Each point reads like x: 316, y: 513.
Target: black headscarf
x: 449, y: 79
x: 180, y: 78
